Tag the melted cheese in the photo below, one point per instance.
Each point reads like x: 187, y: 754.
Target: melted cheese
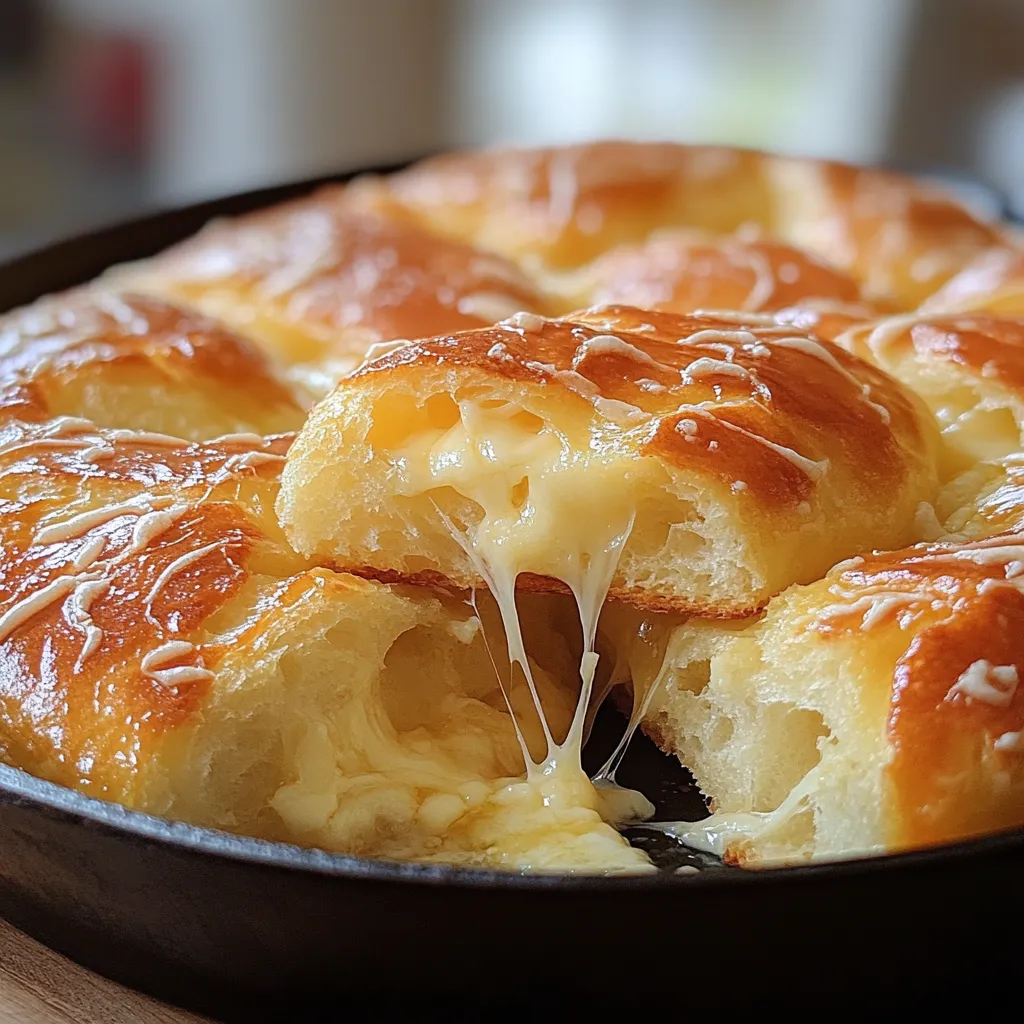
x: 414, y: 765
x: 727, y: 832
x: 529, y: 483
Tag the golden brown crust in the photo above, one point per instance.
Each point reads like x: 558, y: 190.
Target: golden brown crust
x: 115, y: 552
x: 987, y: 346
x: 93, y: 340
x: 326, y: 281
x: 960, y: 605
x: 949, y: 734
x: 567, y: 205
x: 900, y: 238
x: 733, y: 399
x: 992, y: 282
x: 684, y: 275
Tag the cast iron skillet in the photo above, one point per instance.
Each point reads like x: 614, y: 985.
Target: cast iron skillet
x: 251, y: 930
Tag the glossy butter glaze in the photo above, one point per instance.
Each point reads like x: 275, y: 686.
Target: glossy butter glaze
x: 749, y: 404
x: 116, y: 551
x: 128, y: 359
x: 316, y: 279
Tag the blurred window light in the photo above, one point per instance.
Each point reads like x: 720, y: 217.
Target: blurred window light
x: 796, y: 75
x: 1000, y: 143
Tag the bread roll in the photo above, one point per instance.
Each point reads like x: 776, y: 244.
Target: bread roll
x: 872, y: 711
x: 318, y: 283
x: 685, y: 273
x: 162, y: 646
x: 993, y: 282
x: 711, y: 463
x: 559, y: 208
x: 969, y: 369
x: 137, y: 363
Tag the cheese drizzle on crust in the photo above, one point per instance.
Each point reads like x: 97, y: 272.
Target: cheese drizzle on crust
x: 780, y: 439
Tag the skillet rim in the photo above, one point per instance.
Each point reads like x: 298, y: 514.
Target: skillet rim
x: 19, y: 788
x: 77, y: 259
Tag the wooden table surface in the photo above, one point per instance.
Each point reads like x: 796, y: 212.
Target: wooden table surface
x: 38, y: 986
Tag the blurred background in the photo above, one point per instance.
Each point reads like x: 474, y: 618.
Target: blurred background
x: 111, y: 107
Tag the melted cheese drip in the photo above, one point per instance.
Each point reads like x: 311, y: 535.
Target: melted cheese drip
x: 180, y: 563
x: 484, y: 456
x: 77, y: 614
x: 78, y: 525
x: 724, y: 831
x: 523, y: 321
x: 31, y: 605
x: 610, y: 344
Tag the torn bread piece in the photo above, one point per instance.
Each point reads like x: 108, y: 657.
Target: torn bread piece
x: 702, y: 465
x: 969, y: 369
x: 161, y: 645
x: 873, y: 711
x: 319, y: 283
x: 126, y: 361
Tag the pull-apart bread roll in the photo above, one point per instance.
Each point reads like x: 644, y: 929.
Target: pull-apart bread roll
x: 685, y: 273
x: 319, y: 283
x: 557, y: 209
x: 162, y: 646
x: 993, y: 282
x: 133, y: 362
x: 969, y: 369
x: 697, y: 464
x: 874, y: 710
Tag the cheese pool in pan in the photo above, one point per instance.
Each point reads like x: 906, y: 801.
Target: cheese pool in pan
x: 683, y: 464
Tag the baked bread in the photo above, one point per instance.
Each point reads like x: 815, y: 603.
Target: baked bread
x: 725, y: 461
x: 162, y: 646
x: 969, y: 369
x: 992, y: 282
x: 319, y: 283
x: 559, y: 208
x: 874, y: 710
x: 180, y: 634
x: 684, y: 272
x: 137, y: 363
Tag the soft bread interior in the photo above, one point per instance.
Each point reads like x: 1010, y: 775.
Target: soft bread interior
x: 527, y: 473
x: 545, y: 487
x: 872, y: 711
x: 787, y: 738
x: 394, y: 741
